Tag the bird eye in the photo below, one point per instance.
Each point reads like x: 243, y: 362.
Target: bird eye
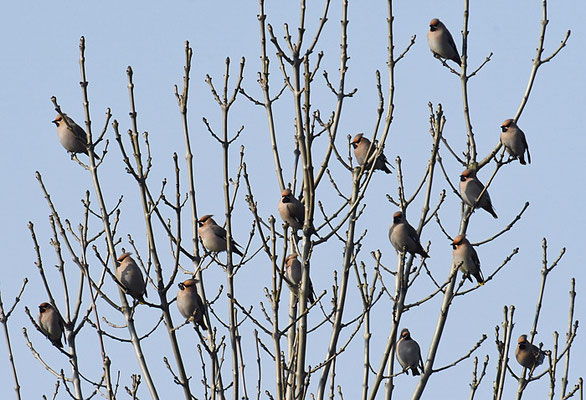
x: 462, y: 178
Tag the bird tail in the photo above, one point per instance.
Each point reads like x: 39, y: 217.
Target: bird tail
x: 490, y: 209
x: 415, y: 371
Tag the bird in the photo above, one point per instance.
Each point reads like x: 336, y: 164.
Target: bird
x: 470, y: 189
x: 293, y: 274
x: 130, y: 277
x: 72, y: 137
x: 292, y: 211
x: 402, y: 235
x: 361, y: 146
x: 441, y: 42
x: 51, y: 323
x: 466, y: 259
x: 528, y: 355
x: 513, y: 138
x: 213, y: 236
x: 190, y: 304
x: 408, y: 353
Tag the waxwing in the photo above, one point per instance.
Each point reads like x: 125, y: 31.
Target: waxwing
x: 190, y: 304
x: 513, y: 138
x: 528, y: 355
x: 470, y: 189
x: 72, y: 137
x: 293, y: 274
x: 402, y: 235
x: 441, y: 42
x: 408, y: 353
x: 292, y: 211
x: 130, y: 277
x: 213, y: 236
x: 466, y: 259
x: 51, y: 323
x: 361, y: 146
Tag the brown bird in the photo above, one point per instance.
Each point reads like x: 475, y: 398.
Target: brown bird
x: 408, y: 353
x: 213, y: 236
x: 361, y: 146
x: 528, y: 355
x: 72, y: 137
x: 292, y: 211
x: 470, y: 189
x: 293, y: 275
x: 190, y: 304
x: 441, y: 43
x: 130, y: 277
x: 466, y: 258
x: 51, y: 324
x: 513, y: 138
x: 402, y: 235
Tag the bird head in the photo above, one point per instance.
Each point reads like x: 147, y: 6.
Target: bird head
x: 434, y: 24
x: 522, y: 339
x: 286, y: 195
x: 356, y: 140
x: 458, y: 240
x: 44, y: 307
x: 205, y: 219
x: 58, y: 120
x: 507, y: 124
x: 405, y: 334
x: 123, y: 257
x: 189, y: 283
x: 468, y: 173
x: 397, y: 217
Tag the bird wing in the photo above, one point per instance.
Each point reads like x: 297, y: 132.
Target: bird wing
x: 524, y: 139
x: 452, y: 44
x: 412, y: 233
x: 298, y: 212
x: 218, y: 231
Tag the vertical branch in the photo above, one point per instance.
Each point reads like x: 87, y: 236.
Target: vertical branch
x: 568, y: 338
x: 471, y: 155
x: 182, y: 99
x: 141, y: 179
x: 4, y: 320
x: 340, y: 94
x: 263, y: 81
x: 109, y: 236
x: 503, y: 348
x: 341, y: 298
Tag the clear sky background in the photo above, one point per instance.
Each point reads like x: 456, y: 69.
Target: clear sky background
x: 40, y: 59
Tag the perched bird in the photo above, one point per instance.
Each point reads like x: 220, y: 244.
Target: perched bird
x: 361, y: 146
x: 213, y: 236
x: 293, y: 274
x: 130, y: 277
x: 408, y: 353
x: 51, y: 323
x: 441, y: 42
x: 470, y: 189
x: 402, y: 235
x: 528, y: 355
x: 292, y: 211
x: 72, y: 137
x: 190, y: 304
x: 465, y: 258
x: 513, y: 138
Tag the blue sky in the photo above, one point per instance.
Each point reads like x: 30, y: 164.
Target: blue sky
x: 40, y: 47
